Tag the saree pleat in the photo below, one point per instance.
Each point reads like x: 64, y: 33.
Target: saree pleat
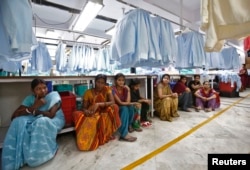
x: 86, y: 131
x: 95, y: 130
x: 167, y: 107
x: 105, y: 130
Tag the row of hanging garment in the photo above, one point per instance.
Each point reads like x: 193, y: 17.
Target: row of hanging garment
x: 143, y: 40
x: 191, y: 53
x: 83, y: 58
x: 16, y: 35
x: 40, y: 61
x: 227, y: 59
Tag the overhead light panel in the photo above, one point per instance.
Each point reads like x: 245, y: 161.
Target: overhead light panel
x: 88, y: 14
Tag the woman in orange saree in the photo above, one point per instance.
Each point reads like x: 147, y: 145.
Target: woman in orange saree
x: 99, y: 119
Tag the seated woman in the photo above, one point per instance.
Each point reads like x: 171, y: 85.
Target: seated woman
x: 31, y: 137
x: 184, y: 94
x: 165, y: 101
x: 99, y: 119
x: 207, y: 98
x: 143, y: 106
x: 122, y: 97
x: 194, y: 85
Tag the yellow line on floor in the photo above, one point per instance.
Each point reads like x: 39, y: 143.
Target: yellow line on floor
x: 169, y: 144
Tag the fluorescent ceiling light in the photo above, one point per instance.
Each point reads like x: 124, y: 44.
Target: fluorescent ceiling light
x: 87, y: 15
x: 110, y: 31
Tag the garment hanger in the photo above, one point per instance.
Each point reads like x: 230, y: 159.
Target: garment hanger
x: 186, y: 30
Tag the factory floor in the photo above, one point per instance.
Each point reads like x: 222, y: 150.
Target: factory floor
x: 179, y: 145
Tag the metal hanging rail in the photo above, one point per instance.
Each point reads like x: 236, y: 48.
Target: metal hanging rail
x: 133, y: 6
x: 70, y: 41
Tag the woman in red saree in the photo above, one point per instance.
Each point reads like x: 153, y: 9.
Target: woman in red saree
x: 99, y: 119
x: 207, y: 98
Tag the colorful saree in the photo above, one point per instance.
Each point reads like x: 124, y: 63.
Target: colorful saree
x: 32, y: 139
x: 166, y: 107
x: 95, y: 130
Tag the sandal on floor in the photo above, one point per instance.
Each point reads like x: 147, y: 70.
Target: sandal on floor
x: 146, y: 124
x: 138, y: 129
x: 128, y: 139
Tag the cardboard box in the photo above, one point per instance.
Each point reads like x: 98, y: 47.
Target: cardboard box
x: 248, y: 66
x: 247, y: 60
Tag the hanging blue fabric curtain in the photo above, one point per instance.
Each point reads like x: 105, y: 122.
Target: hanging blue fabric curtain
x: 16, y: 35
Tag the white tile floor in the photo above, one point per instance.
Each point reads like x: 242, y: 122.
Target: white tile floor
x: 180, y: 145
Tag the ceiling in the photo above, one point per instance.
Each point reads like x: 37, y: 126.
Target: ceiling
x: 59, y: 15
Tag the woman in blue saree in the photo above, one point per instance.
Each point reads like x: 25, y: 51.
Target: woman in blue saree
x: 31, y: 137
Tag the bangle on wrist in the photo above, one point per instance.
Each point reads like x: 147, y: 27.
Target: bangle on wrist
x: 27, y: 110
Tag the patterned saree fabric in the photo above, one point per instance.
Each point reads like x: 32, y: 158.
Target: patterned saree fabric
x: 95, y: 130
x: 32, y: 139
x: 167, y: 106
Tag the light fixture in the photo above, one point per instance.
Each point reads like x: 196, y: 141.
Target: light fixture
x: 88, y: 14
x: 110, y: 31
